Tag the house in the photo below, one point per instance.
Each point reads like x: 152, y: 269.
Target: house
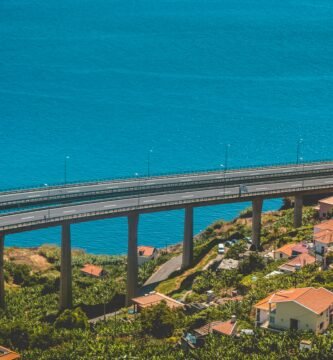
x: 290, y: 250
x: 325, y: 225
x: 296, y: 309
x: 325, y: 207
x: 297, y: 263
x: 92, y: 270
x: 226, y: 328
x: 6, y: 354
x: 323, y: 241
x: 154, y: 298
x: 146, y: 253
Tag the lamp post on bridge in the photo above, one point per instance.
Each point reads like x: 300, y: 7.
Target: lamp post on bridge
x: 65, y: 169
x: 302, y: 160
x: 48, y: 195
x: 299, y: 143
x: 148, y: 162
x: 137, y: 176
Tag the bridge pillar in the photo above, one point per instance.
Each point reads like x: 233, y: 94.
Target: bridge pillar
x: 65, y: 268
x: 188, y: 238
x: 256, y: 221
x: 132, y: 258
x: 2, y: 275
x: 298, y: 210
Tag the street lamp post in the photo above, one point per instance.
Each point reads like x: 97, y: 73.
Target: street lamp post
x: 65, y: 169
x: 148, y: 162
x: 48, y: 195
x: 302, y: 160
x: 137, y: 176
x: 299, y: 143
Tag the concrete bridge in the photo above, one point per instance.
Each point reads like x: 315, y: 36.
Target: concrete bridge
x: 132, y: 197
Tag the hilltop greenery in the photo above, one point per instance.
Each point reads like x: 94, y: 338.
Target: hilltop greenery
x: 33, y: 326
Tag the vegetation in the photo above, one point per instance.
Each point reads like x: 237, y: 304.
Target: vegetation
x: 33, y: 326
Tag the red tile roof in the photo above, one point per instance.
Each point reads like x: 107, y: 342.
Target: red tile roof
x: 324, y: 236
x: 289, y: 248
x: 315, y: 300
x: 92, y: 270
x: 6, y: 354
x: 225, y: 328
x: 154, y: 299
x: 328, y: 201
x: 146, y: 250
x: 300, y: 260
x: 325, y: 225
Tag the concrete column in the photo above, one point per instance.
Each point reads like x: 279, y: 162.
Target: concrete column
x: 2, y: 275
x: 298, y: 209
x: 65, y: 269
x: 188, y: 238
x: 256, y: 221
x: 132, y: 258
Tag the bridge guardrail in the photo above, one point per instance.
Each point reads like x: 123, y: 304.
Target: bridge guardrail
x: 157, y: 176
x: 139, y: 207
x: 163, y: 188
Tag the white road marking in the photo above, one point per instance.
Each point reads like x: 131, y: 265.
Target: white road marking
x: 73, y: 191
x: 109, y: 206
x: 112, y: 187
x: 187, y: 196
x: 262, y: 188
x: 148, y: 201
x: 69, y: 211
x: 27, y: 217
x: 295, y: 185
x: 33, y: 196
x: 329, y: 182
x: 225, y: 192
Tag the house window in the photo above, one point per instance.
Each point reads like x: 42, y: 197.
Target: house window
x: 281, y: 256
x: 321, y: 325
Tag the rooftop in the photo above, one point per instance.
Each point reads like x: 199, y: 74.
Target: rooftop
x: 325, y: 225
x: 289, y: 248
x: 324, y: 236
x: 315, y: 300
x: 328, y: 201
x: 225, y: 328
x: 146, y: 250
x: 299, y: 261
x: 154, y: 299
x: 6, y: 354
x: 92, y: 270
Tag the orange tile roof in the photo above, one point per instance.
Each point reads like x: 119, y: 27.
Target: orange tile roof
x: 226, y: 328
x: 92, y: 270
x: 146, y: 250
x: 289, y: 248
x: 208, y: 328
x: 6, y: 354
x: 324, y: 236
x: 156, y: 298
x: 325, y: 225
x: 301, y: 260
x: 316, y: 300
x: 328, y: 201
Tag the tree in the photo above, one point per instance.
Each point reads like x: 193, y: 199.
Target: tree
x: 72, y: 319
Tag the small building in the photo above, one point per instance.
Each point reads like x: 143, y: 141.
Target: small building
x: 228, y: 264
x: 325, y: 225
x: 6, y: 354
x: 323, y: 241
x: 297, y: 263
x: 305, y: 345
x: 325, y: 207
x: 92, y: 270
x: 290, y: 250
x: 296, y: 309
x: 154, y: 298
x: 146, y: 253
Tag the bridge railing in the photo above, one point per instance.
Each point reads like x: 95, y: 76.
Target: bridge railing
x: 157, y: 176
x: 139, y: 189
x: 174, y: 203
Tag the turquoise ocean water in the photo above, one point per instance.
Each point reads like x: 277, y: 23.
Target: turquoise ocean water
x: 104, y: 81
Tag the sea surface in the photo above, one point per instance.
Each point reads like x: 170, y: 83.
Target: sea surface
x: 105, y: 81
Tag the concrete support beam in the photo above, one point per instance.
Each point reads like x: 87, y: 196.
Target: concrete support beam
x: 65, y: 269
x: 188, y: 238
x: 132, y: 258
x: 256, y: 221
x: 2, y: 275
x: 298, y: 210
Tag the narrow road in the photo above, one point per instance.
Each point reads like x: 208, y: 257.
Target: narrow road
x: 162, y: 273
